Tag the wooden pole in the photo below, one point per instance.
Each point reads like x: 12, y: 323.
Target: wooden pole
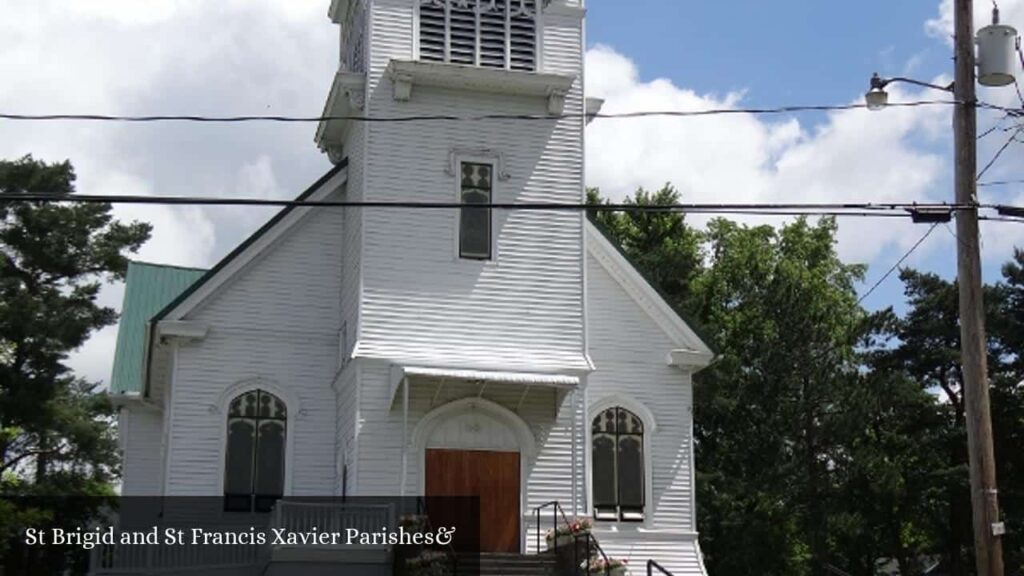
x: 984, y: 498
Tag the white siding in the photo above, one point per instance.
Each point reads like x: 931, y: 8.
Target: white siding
x: 419, y: 300
x: 141, y: 432
x: 277, y: 320
x: 680, y: 556
x: 629, y: 350
x: 345, y: 426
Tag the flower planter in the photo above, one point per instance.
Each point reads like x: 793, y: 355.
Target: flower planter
x: 561, y: 541
x: 617, y: 571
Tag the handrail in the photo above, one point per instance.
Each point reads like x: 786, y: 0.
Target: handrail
x: 597, y: 546
x: 592, y: 542
x: 556, y: 509
x: 652, y: 565
x: 449, y: 551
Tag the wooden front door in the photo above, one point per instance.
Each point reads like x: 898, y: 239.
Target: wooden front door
x: 494, y: 478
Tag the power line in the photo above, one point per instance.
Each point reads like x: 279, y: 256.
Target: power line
x: 453, y: 118
x: 999, y: 152
x: 1000, y: 183
x: 898, y: 263
x: 888, y: 209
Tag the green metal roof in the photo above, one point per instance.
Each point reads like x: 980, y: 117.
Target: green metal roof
x: 148, y: 288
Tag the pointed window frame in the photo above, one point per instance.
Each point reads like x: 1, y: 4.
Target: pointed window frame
x: 262, y: 412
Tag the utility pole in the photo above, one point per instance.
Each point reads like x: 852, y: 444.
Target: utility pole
x: 984, y: 497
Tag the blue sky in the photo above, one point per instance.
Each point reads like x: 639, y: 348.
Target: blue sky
x: 785, y: 52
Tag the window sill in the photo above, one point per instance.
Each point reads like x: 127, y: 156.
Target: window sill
x: 404, y: 74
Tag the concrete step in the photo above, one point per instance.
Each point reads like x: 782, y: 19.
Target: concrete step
x: 512, y: 565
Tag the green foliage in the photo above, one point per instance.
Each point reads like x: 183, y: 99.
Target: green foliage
x: 827, y: 437
x: 55, y: 431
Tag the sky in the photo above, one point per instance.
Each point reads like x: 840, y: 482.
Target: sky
x: 222, y: 57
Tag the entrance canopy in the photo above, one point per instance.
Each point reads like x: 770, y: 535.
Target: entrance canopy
x: 427, y: 374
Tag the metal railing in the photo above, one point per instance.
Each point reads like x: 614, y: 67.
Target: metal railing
x: 652, y: 566
x: 556, y: 509
x: 591, y: 542
x: 449, y: 549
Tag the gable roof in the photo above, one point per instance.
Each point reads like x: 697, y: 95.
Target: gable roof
x: 148, y: 288
x: 646, y: 295
x: 214, y: 274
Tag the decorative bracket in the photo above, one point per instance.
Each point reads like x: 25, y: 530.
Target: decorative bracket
x: 402, y: 84
x: 335, y: 153
x: 354, y: 88
x: 452, y: 168
x: 556, y: 101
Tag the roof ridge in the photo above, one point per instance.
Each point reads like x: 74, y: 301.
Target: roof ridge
x: 161, y: 265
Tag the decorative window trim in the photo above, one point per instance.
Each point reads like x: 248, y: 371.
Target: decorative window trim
x: 457, y: 156
x: 650, y: 427
x: 295, y: 414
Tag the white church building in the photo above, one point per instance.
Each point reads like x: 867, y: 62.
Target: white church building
x: 382, y: 351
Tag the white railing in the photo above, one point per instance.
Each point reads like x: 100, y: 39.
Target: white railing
x: 304, y: 517
x: 135, y: 559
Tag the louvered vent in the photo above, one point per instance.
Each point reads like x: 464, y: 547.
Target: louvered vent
x: 523, y: 35
x: 493, y: 18
x: 461, y: 33
x: 488, y: 33
x: 432, y: 31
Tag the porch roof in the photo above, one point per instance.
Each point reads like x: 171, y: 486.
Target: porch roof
x: 547, y: 379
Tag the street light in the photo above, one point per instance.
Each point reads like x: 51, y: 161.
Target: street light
x: 877, y: 98
x: 996, y: 65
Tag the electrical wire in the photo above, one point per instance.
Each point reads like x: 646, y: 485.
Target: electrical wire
x: 888, y: 209
x: 999, y: 183
x: 448, y: 117
x: 897, y: 264
x: 1010, y: 140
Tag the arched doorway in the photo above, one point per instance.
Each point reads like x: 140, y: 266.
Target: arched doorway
x: 474, y: 447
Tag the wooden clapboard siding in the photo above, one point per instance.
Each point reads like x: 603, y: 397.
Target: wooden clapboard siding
x: 419, y: 301
x: 141, y: 433
x: 345, y: 426
x: 679, y: 555
x: 629, y: 352
x: 277, y: 320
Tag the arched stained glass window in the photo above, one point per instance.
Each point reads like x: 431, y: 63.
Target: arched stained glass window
x: 617, y: 438
x: 254, y: 465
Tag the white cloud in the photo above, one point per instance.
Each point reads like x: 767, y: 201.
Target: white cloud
x: 853, y: 156
x: 169, y: 56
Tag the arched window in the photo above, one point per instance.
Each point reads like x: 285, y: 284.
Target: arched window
x: 488, y: 33
x: 617, y: 437
x: 254, y: 464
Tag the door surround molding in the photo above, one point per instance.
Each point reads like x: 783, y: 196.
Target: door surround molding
x: 421, y: 435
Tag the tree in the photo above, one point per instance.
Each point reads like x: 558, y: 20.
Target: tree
x: 1007, y: 329
x: 55, y: 431
x: 661, y: 244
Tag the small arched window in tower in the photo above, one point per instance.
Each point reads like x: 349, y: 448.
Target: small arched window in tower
x: 255, y: 459
x: 487, y: 33
x: 617, y: 439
